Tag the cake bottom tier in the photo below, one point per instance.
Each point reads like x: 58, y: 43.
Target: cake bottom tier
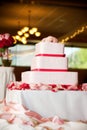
x: 69, y: 105
x: 64, y: 78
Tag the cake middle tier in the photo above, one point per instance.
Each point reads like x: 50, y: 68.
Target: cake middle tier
x: 49, y: 63
x: 47, y: 77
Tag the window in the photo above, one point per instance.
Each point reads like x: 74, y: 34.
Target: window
x: 77, y: 57
x: 22, y: 56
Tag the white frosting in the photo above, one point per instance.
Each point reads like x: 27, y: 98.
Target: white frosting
x: 47, y: 58
x: 47, y: 62
x: 65, y: 78
x: 49, y: 48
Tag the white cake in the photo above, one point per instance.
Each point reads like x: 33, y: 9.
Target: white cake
x: 41, y: 63
x: 49, y: 48
x: 56, y: 78
x: 50, y: 66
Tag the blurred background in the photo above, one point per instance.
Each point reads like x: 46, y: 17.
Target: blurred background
x: 31, y: 20
x: 64, y: 19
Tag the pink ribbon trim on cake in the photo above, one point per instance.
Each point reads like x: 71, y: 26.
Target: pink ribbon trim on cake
x: 56, y: 70
x: 52, y: 55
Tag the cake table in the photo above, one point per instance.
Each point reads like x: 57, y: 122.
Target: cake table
x: 6, y: 75
x: 70, y: 105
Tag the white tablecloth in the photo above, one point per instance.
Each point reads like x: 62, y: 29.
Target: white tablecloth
x: 6, y: 75
x: 71, y: 105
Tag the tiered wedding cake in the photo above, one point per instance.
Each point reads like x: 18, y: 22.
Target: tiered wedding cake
x: 50, y: 65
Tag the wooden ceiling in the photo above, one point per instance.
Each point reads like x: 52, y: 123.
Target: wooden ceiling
x: 59, y: 18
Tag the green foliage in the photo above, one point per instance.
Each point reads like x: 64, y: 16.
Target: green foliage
x: 78, y: 59
x: 2, y: 49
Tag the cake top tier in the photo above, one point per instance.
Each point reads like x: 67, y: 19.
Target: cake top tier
x: 49, y: 45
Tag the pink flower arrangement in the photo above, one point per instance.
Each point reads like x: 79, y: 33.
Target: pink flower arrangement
x: 6, y: 41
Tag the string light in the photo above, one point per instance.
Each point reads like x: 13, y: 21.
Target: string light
x: 77, y: 32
